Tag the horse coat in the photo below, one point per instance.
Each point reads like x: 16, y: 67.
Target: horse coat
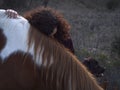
x: 30, y: 60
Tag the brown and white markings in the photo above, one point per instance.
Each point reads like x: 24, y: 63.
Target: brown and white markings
x: 32, y: 61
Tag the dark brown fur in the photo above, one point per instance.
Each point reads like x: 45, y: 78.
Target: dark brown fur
x: 46, y: 19
x: 2, y: 40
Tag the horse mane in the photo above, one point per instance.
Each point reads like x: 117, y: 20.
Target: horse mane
x: 59, y: 66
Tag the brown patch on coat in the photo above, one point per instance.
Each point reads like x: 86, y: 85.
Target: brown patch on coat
x: 18, y: 72
x: 2, y: 40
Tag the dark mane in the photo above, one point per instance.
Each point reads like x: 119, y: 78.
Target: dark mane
x: 46, y: 19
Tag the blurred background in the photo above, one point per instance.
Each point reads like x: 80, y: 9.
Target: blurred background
x: 95, y: 30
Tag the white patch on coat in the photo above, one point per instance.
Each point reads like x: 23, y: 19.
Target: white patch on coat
x: 16, y: 31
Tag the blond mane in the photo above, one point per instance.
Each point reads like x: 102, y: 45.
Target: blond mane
x: 65, y: 72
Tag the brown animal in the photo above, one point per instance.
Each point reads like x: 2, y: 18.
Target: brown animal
x: 39, y: 64
x: 94, y: 67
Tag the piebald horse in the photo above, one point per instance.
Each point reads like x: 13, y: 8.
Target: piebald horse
x: 30, y: 60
